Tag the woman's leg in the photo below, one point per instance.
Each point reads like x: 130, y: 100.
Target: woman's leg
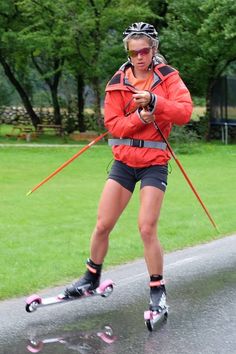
x: 151, y: 201
x: 150, y: 205
x: 113, y: 201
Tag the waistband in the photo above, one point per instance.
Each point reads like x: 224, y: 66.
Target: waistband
x: 138, y: 143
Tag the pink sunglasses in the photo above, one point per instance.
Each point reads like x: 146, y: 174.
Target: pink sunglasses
x: 143, y: 51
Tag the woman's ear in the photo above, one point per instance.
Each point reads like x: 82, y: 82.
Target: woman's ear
x: 129, y: 59
x: 154, y: 51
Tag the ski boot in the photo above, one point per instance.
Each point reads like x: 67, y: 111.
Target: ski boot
x: 88, y: 283
x: 157, y: 307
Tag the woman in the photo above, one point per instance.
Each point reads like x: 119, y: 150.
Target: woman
x: 143, y: 95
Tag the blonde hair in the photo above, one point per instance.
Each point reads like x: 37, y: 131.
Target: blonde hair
x: 152, y: 42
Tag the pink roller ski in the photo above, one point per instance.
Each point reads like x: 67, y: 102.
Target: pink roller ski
x: 151, y: 318
x: 33, y: 302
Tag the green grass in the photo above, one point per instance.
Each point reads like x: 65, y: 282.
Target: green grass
x: 45, y: 237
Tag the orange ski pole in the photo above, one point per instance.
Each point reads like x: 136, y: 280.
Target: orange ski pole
x: 68, y: 162
x: 186, y: 177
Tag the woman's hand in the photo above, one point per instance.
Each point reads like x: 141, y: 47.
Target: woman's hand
x: 142, y: 98
x: 146, y: 116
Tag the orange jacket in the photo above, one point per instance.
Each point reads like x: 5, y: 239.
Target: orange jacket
x: 173, y: 106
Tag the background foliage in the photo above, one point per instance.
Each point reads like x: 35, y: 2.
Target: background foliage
x: 52, y: 52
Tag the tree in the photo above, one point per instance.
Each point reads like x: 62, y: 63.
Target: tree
x: 43, y: 37
x: 97, y: 27
x: 63, y: 38
x: 200, y: 41
x: 12, y: 56
x: 159, y: 8
x: 6, y: 91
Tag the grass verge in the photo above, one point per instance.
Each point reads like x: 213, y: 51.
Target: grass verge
x: 45, y: 237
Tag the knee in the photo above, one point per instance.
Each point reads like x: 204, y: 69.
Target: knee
x: 147, y: 232
x: 103, y: 229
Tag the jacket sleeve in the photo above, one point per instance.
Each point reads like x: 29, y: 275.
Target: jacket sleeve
x: 115, y: 120
x: 177, y: 107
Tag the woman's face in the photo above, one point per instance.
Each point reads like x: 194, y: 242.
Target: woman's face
x: 140, y: 53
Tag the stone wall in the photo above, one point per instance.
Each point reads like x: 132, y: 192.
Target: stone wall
x: 18, y: 115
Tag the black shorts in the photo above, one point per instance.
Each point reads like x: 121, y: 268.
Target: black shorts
x: 155, y: 176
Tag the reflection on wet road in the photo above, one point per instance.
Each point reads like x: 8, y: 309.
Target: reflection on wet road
x: 77, y: 340
x: 201, y: 285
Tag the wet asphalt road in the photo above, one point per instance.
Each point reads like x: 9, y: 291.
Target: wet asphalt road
x: 201, y: 285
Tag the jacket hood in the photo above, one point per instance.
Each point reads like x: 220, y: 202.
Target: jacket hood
x: 120, y: 82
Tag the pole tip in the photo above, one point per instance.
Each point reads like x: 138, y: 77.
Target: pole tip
x: 27, y: 194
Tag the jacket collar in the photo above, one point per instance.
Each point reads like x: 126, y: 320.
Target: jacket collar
x: 120, y: 82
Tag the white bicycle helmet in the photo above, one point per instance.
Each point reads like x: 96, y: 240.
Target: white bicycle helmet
x: 141, y: 28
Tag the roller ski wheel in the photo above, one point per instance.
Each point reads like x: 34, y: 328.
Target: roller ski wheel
x: 107, y: 335
x: 152, y: 318
x: 106, y: 288
x: 33, y: 302
x: 34, y: 347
